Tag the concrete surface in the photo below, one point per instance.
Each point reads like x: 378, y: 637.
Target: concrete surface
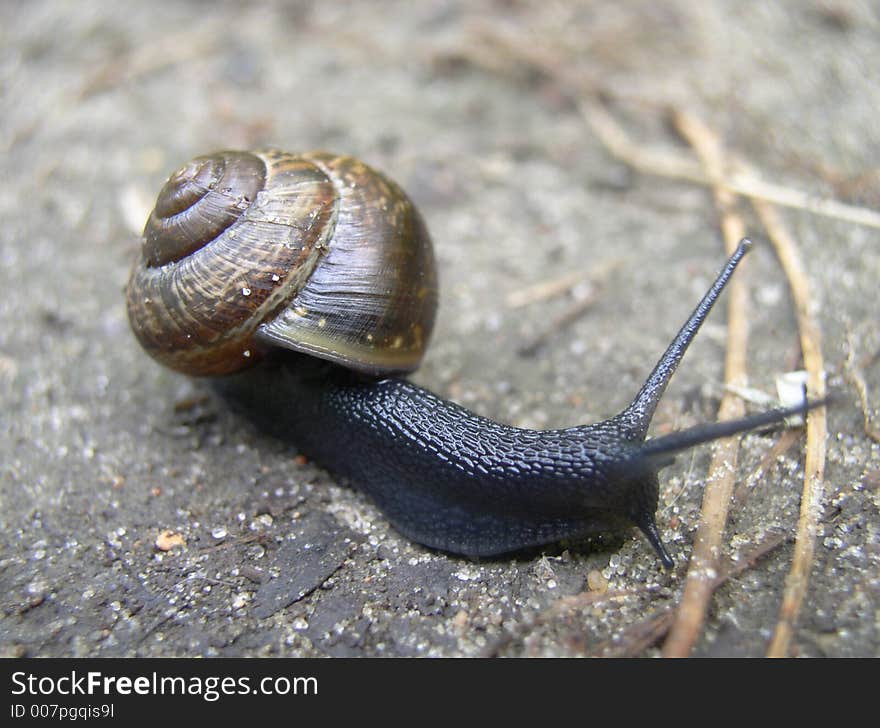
x: 102, y: 451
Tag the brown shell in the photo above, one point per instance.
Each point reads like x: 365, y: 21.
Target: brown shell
x: 313, y: 252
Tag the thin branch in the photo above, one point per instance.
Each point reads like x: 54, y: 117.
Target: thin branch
x: 783, y: 444
x: 562, y: 321
x: 666, y: 163
x: 639, y: 637
x: 817, y: 427
x: 560, y: 609
x: 660, y: 162
x: 703, y: 566
x: 572, y: 313
x: 547, y: 289
x: 512, y: 58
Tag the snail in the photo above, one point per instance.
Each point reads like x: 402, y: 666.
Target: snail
x: 306, y: 285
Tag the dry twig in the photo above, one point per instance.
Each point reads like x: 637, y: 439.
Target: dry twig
x: 783, y: 444
x: 513, y: 57
x: 639, y: 637
x: 817, y: 427
x: 704, y: 562
x: 739, y: 181
x: 573, y: 312
x: 544, y: 290
x: 563, y: 606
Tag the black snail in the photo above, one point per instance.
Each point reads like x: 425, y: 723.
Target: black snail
x: 317, y: 274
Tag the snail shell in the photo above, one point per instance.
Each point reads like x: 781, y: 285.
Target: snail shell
x: 314, y: 252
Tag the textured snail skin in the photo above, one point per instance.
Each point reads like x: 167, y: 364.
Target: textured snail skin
x: 320, y: 254
x: 443, y: 476
x: 455, y: 481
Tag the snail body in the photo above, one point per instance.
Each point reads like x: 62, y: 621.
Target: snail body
x: 443, y: 476
x: 324, y: 291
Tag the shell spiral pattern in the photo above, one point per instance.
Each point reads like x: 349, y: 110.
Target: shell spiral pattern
x: 314, y: 252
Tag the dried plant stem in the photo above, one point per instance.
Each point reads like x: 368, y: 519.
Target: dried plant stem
x: 703, y: 567
x: 739, y: 181
x: 572, y: 312
x: 784, y: 443
x: 120, y: 72
x: 817, y: 428
x: 515, y: 56
x: 545, y: 290
x: 642, y: 635
x: 638, y: 637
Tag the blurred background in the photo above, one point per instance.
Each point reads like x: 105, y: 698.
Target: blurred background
x: 477, y: 110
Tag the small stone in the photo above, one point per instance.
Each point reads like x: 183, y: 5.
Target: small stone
x: 460, y: 621
x: 597, y: 582
x: 168, y: 539
x: 252, y: 573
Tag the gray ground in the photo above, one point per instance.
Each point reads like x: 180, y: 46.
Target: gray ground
x: 102, y: 450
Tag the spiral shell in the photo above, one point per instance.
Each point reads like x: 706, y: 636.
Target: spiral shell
x: 314, y: 252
